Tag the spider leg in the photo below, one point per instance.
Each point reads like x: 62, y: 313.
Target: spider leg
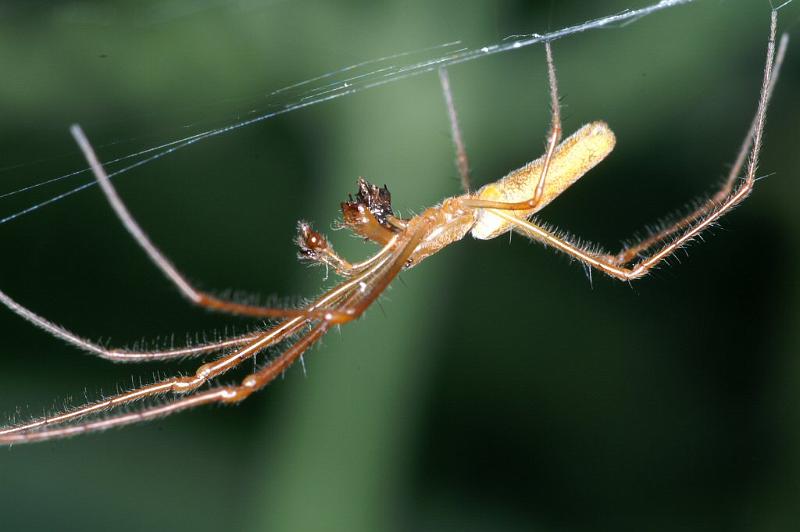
x: 554, y: 137
x: 635, y: 250
x: 177, y: 385
x: 462, y: 163
x: 355, y: 305
x: 53, y: 433
x: 371, y: 286
x: 121, y: 355
x: 555, y: 125
x: 344, y: 291
x: 688, y: 228
x: 353, y: 296
x: 160, y: 260
x: 43, y: 430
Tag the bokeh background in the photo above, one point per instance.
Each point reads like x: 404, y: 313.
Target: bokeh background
x: 494, y: 387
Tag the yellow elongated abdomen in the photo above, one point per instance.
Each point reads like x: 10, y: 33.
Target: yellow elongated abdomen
x: 572, y: 158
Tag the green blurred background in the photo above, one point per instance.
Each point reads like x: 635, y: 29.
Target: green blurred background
x: 493, y: 388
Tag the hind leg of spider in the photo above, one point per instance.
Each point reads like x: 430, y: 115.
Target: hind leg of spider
x: 462, y: 163
x: 693, y: 225
x: 160, y: 260
x: 636, y: 249
x: 611, y: 264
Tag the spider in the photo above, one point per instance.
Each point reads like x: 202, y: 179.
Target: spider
x: 493, y: 210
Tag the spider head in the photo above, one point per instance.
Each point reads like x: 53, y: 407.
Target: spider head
x: 368, y: 214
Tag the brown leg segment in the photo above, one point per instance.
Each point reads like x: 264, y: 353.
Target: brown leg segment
x: 121, y: 355
x: 350, y: 299
x: 160, y: 260
x: 172, y: 385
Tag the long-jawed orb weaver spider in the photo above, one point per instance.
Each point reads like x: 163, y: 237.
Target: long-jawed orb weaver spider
x: 494, y: 209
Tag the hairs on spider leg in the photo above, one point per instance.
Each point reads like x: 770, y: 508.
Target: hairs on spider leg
x: 103, y: 412
x: 663, y: 223
x: 565, y: 235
